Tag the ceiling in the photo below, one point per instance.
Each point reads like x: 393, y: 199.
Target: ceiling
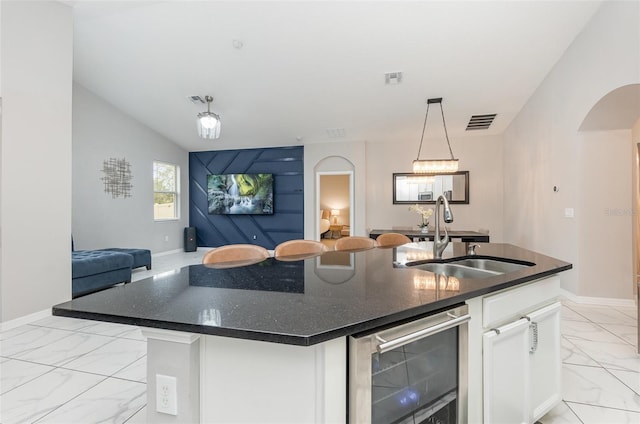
x: 298, y: 72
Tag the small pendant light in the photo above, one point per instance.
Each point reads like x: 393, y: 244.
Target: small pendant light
x: 208, y: 122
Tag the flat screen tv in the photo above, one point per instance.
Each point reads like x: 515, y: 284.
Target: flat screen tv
x: 240, y: 194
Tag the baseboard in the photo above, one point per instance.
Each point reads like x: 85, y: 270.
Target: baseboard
x: 173, y: 252
x: 27, y: 319
x: 168, y: 252
x: 602, y: 301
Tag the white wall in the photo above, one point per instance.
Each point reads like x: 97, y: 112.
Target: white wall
x: 374, y: 165
x: 481, y: 156
x: 35, y: 185
x: 543, y: 149
x: 100, y: 132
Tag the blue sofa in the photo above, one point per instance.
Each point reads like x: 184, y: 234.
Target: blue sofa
x: 93, y: 270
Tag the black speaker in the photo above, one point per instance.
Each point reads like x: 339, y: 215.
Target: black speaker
x: 190, y: 244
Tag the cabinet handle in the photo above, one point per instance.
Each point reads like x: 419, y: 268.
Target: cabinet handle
x: 533, y: 337
x: 386, y: 346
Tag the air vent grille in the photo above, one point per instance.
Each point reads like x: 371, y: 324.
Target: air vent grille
x: 480, y: 122
x: 336, y: 132
x: 393, y: 78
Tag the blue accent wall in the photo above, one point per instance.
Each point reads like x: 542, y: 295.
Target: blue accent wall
x: 286, y: 223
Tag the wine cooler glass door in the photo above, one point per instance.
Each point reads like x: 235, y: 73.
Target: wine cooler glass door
x: 414, y: 377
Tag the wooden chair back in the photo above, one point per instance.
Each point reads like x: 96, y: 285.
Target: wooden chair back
x: 392, y: 240
x: 355, y: 243
x: 235, y: 255
x: 298, y: 249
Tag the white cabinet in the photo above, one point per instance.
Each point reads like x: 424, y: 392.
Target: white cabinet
x: 521, y: 353
x: 545, y: 362
x: 506, y: 380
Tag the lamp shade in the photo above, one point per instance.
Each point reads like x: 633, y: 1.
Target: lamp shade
x: 335, y: 212
x: 208, y: 125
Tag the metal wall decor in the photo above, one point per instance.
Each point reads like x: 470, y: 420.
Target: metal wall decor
x: 117, y: 177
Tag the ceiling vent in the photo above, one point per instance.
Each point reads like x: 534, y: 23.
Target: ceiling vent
x: 393, y: 78
x: 336, y: 132
x: 480, y: 122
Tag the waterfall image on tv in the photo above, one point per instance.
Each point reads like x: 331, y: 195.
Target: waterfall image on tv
x: 240, y: 194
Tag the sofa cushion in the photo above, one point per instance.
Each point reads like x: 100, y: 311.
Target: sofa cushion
x: 141, y: 257
x: 91, y: 262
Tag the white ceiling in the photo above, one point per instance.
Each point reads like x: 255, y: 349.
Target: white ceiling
x: 309, y: 66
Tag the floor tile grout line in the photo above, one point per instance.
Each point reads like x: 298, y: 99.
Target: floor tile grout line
x: 39, y: 347
x: 74, y: 397
x: 598, y: 364
x: 620, y: 341
x: 114, y: 373
x: 568, y: 404
x: 602, y: 407
x: 60, y: 365
x: 128, y: 379
x: 134, y: 414
x: 625, y: 384
x: 28, y: 381
x: 35, y: 327
x: 596, y: 306
x: 603, y: 328
x: 614, y: 334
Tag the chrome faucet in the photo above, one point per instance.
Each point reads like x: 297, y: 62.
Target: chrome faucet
x: 439, y: 244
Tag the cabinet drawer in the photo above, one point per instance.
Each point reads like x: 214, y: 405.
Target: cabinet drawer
x: 514, y: 303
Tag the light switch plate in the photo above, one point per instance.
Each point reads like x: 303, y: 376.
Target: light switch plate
x: 569, y: 213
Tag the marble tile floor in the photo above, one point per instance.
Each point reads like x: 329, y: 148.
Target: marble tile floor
x: 63, y: 370
x: 601, y: 366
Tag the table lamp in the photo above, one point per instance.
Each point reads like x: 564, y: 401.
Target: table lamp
x: 335, y: 213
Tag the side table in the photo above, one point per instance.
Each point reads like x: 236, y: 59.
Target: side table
x: 333, y: 229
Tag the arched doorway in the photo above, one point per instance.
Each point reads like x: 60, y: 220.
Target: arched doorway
x: 619, y: 110
x: 334, y: 188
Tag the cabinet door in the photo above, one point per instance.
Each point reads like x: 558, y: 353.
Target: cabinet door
x: 545, y: 361
x: 506, y: 374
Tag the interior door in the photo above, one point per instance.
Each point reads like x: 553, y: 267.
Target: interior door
x: 506, y: 374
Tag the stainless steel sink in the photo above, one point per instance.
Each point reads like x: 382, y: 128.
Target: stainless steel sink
x: 500, y: 267
x: 452, y: 270
x: 470, y: 267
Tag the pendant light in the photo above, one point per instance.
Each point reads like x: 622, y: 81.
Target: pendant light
x: 208, y: 122
x: 435, y: 166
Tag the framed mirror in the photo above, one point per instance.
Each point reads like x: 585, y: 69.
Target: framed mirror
x: 425, y: 188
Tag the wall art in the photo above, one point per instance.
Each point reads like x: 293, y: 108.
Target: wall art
x: 117, y: 177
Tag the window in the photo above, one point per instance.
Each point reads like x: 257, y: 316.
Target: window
x: 165, y: 191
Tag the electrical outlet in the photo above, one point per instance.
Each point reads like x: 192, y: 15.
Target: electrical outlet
x: 166, y: 238
x: 166, y: 395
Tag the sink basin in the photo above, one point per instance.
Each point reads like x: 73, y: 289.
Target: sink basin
x: 458, y: 271
x: 500, y: 267
x: 471, y: 267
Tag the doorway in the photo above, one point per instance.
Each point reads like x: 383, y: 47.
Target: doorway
x: 334, y: 200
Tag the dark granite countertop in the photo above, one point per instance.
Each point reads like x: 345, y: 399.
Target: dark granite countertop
x: 302, y: 302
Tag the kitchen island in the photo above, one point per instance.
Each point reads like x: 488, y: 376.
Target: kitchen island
x: 267, y: 342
